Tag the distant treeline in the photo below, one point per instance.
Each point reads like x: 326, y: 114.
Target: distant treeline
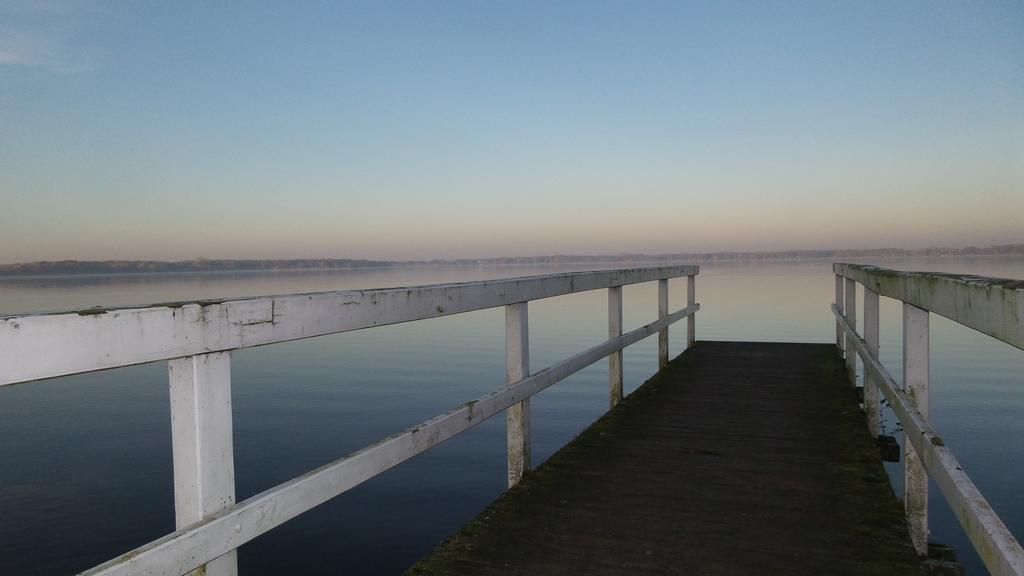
x: 200, y: 265
x: 204, y: 265
x: 1000, y: 250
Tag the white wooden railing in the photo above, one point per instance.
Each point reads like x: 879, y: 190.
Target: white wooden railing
x: 989, y: 305
x: 196, y: 340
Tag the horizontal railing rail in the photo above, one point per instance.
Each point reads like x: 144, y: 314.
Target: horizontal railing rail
x: 989, y: 305
x: 992, y: 306
x: 196, y: 340
x: 97, y: 339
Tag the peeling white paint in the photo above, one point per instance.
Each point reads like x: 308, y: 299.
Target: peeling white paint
x: 915, y: 384
x: 615, y: 358
x: 202, y: 445
x: 872, y: 405
x: 992, y: 306
x: 101, y: 339
x: 517, y: 367
x: 663, y: 334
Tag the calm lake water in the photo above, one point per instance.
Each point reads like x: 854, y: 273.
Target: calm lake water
x: 85, y: 461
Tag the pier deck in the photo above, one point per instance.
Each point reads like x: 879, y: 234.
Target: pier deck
x: 739, y: 458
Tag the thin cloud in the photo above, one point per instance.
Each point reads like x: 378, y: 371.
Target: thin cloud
x: 9, y: 58
x: 44, y: 35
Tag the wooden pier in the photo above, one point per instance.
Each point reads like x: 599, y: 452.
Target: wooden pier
x: 738, y: 458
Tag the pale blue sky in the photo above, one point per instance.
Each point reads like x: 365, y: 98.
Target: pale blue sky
x: 419, y: 130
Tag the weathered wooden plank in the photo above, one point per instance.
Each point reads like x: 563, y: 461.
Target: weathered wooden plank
x: 915, y: 383
x: 872, y: 408
x: 850, y: 309
x: 517, y: 367
x: 214, y: 536
x: 993, y: 306
x: 691, y: 321
x: 108, y: 338
x: 999, y: 550
x: 662, y: 312
x: 615, y: 358
x: 840, y: 304
x: 201, y: 442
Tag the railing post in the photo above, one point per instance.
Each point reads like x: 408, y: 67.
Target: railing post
x: 915, y: 383
x: 662, y: 313
x: 691, y: 320
x: 850, y: 311
x: 615, y: 358
x: 840, y: 334
x: 871, y: 400
x: 201, y: 443
x: 517, y: 367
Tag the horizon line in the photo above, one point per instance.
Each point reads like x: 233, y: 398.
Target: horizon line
x: 1012, y: 249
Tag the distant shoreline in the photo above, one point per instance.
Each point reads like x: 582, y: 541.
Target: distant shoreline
x: 133, y: 267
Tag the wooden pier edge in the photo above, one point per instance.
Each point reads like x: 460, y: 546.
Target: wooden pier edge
x: 791, y: 483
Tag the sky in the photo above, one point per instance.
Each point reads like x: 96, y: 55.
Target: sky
x: 176, y: 130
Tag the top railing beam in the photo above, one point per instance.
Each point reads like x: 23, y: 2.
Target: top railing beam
x: 992, y: 306
x: 34, y: 347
